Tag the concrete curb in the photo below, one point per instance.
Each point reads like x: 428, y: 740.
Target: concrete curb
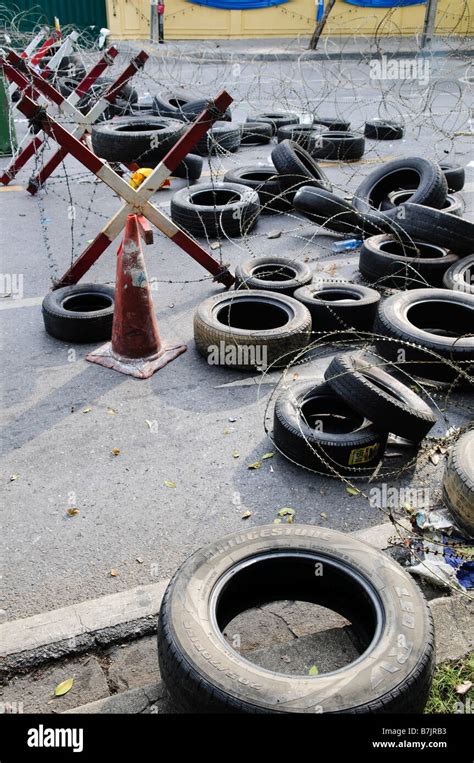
x: 240, y: 56
x: 453, y: 628
x: 117, y: 617
x: 108, y: 619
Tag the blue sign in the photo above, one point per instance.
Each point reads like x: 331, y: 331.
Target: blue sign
x: 238, y: 5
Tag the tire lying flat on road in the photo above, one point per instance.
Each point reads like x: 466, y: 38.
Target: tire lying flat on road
x: 278, y: 274
x: 458, y: 482
x: 364, y: 385
x: 390, y: 263
x: 145, y: 139
x: 216, y: 209
x: 251, y: 329
x: 339, y: 306
x: 315, y: 429
x: 79, y: 313
x: 205, y: 674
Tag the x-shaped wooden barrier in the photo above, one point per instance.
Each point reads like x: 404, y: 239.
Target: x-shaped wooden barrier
x: 23, y: 156
x: 16, y: 70
x: 134, y: 201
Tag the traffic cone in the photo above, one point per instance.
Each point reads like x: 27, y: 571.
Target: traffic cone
x: 136, y: 348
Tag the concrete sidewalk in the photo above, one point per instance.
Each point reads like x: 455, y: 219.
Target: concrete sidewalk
x: 108, y: 645
x: 294, y: 49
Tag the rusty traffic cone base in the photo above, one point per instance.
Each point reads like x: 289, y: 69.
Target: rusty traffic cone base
x: 136, y: 348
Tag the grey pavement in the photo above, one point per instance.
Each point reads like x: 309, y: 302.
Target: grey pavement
x: 297, y: 49
x: 62, y: 416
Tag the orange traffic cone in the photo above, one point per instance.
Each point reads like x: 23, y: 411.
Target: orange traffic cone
x: 136, y: 348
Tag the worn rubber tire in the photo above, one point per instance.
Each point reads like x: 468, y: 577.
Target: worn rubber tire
x: 234, y: 217
x: 276, y: 119
x: 383, y: 129
x: 455, y: 176
x: 425, y: 176
x: 278, y: 274
x: 460, y: 276
x: 183, y: 108
x: 265, y: 180
x: 358, y: 312
x: 444, y: 310
x: 367, y: 387
x: 300, y: 134
x: 205, y: 674
x: 190, y: 168
x: 353, y: 453
x: 336, y: 146
x: 436, y: 227
x: 221, y: 137
x: 79, y: 325
x: 128, y: 139
x: 458, y: 482
x: 252, y: 307
x: 255, y: 133
x: 453, y: 205
x: 333, y: 123
x: 297, y: 168
x: 386, y: 261
x: 327, y: 209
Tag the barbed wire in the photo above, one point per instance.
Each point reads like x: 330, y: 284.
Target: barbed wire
x: 433, y: 107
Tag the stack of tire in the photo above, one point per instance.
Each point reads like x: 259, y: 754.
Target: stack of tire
x: 341, y: 426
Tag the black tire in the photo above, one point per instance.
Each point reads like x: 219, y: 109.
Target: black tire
x: 265, y: 180
x: 336, y: 146
x: 423, y: 175
x: 255, y: 133
x: 215, y: 209
x: 339, y: 306
x: 388, y: 262
x: 179, y: 106
x: 317, y: 430
x: 460, y: 276
x: 190, y: 168
x: 277, y: 562
x: 268, y: 329
x: 383, y: 129
x: 79, y: 313
x: 191, y: 110
x: 221, y: 137
x: 327, y: 209
x: 359, y: 380
x: 458, y: 482
x: 455, y: 176
x: 300, y: 134
x: 69, y: 66
x: 130, y: 139
x: 277, y: 274
x: 453, y: 204
x: 297, y: 168
x: 435, y: 227
x: 334, y: 123
x: 276, y: 119
x: 406, y: 317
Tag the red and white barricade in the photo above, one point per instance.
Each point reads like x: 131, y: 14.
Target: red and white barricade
x: 134, y: 201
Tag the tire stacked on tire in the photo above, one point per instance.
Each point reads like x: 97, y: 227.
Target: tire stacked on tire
x: 341, y: 426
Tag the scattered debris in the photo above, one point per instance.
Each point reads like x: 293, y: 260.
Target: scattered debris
x: 72, y: 512
x: 246, y: 514
x: 115, y: 451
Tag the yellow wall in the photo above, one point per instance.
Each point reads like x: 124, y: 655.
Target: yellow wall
x: 185, y: 20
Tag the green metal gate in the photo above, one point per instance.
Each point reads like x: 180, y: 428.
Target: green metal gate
x: 78, y: 13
